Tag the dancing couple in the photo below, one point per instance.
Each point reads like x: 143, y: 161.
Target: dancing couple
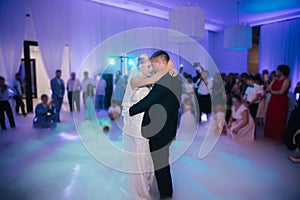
x: 150, y: 110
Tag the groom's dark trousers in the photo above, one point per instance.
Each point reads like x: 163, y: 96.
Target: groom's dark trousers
x: 159, y: 125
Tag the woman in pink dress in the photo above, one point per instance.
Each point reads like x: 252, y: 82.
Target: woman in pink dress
x: 278, y: 106
x: 241, y: 125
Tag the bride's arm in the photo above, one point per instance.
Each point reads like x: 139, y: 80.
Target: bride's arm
x: 139, y: 82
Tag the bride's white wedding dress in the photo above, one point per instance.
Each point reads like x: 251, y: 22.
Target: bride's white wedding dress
x: 139, y: 183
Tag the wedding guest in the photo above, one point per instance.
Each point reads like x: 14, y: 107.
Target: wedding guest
x: 184, y: 74
x: 89, y: 102
x: 114, y: 111
x: 197, y: 77
x: 85, y: 82
x: 118, y: 77
x: 188, y: 121
x: 188, y: 87
x: 278, y: 106
x: 252, y: 96
x: 260, y: 114
x: 228, y: 107
x: 230, y: 83
x: 292, y: 135
x: 243, y: 84
x: 297, y: 94
x: 293, y: 126
x: 241, y: 125
x: 224, y: 78
x: 45, y: 115
x: 6, y: 92
x: 273, y: 76
x: 18, y: 95
x: 100, y: 93
x: 265, y: 76
x: 219, y: 118
x: 291, y: 105
x: 218, y: 90
x: 296, y: 159
x: 58, y: 92
x: 119, y: 90
x: 204, y: 88
x: 74, y: 87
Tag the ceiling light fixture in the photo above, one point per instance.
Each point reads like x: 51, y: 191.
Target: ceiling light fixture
x: 187, y: 20
x: 238, y: 37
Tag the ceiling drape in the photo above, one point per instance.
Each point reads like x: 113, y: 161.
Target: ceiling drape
x: 51, y: 30
x: 280, y: 44
x: 12, y: 27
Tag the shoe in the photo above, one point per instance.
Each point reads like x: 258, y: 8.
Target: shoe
x: 295, y: 159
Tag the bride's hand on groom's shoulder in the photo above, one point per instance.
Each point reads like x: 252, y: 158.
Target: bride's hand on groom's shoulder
x: 170, y: 64
x: 172, y: 71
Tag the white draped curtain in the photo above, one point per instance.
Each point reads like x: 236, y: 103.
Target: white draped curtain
x: 280, y: 44
x: 51, y: 31
x: 12, y: 27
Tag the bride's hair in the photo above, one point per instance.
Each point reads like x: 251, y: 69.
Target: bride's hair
x: 140, y: 59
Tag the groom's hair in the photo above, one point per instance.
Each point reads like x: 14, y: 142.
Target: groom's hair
x: 162, y: 55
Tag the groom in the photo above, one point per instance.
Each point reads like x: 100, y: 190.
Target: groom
x: 160, y: 121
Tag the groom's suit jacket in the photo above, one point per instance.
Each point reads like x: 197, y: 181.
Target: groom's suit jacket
x: 161, y: 109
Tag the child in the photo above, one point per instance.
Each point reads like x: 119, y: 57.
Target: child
x: 114, y: 111
x: 188, y: 120
x: 219, y: 119
x: 89, y: 102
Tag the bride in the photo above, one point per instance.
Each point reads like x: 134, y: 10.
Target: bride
x: 141, y: 177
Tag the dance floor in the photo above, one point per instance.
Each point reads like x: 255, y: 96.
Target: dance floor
x: 54, y: 164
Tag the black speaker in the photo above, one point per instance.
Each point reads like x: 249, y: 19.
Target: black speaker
x: 109, y: 88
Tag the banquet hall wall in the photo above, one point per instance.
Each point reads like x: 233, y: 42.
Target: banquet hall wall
x: 82, y: 25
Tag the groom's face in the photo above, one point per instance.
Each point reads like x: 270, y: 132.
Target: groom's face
x: 158, y: 64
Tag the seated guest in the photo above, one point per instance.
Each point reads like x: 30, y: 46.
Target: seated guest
x: 114, y: 111
x: 45, y: 114
x: 241, y: 125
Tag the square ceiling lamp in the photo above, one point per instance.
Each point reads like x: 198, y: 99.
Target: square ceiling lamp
x: 238, y: 37
x: 186, y: 21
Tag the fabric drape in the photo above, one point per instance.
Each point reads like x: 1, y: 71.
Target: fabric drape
x: 12, y: 27
x: 280, y: 44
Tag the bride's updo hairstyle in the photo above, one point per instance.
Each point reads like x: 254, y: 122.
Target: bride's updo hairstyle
x: 141, y: 59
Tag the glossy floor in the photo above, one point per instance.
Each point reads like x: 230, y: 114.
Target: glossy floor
x: 51, y: 165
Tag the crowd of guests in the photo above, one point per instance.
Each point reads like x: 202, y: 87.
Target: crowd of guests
x: 245, y: 100
x: 47, y: 112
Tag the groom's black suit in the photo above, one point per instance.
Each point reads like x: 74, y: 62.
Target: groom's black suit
x: 159, y: 125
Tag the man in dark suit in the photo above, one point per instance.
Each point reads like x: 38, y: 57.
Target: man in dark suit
x: 160, y: 119
x: 58, y: 91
